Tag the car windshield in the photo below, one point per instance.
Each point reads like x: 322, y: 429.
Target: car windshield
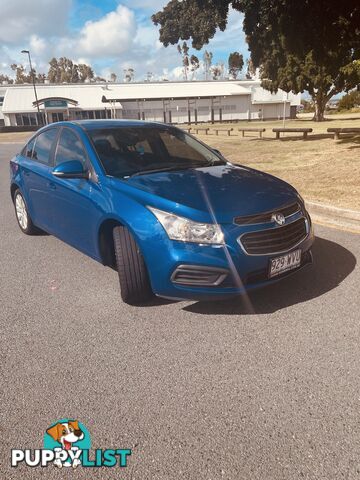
x: 129, y: 151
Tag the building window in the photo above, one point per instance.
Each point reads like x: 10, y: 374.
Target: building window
x: 25, y: 119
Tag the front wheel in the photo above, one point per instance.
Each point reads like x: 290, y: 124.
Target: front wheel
x: 22, y: 215
x: 133, y: 276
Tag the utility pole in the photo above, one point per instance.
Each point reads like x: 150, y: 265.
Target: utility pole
x: 33, y: 82
x: 284, y: 115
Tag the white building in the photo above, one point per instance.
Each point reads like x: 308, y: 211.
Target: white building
x: 171, y: 102
x: 2, y: 95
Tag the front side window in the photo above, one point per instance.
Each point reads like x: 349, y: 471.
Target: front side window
x: 70, y: 148
x: 43, y: 146
x: 127, y: 151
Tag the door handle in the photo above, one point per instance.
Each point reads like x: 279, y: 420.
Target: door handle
x: 52, y: 186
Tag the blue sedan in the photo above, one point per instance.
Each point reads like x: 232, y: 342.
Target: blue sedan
x: 170, y: 214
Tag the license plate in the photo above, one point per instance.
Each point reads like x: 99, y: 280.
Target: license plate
x: 284, y: 263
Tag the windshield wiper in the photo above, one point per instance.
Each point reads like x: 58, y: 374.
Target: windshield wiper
x: 164, y: 169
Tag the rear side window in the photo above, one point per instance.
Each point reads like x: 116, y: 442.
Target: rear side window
x: 28, y: 149
x: 70, y: 148
x: 43, y: 146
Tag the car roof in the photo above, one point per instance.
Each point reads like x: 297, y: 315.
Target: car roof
x: 100, y: 124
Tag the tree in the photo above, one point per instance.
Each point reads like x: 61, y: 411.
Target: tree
x: 308, y: 45
x: 216, y: 71
x: 184, y: 52
x: 53, y: 72
x: 308, y: 106
x: 40, y: 78
x: 5, y: 79
x: 129, y: 74
x: 236, y: 63
x: 69, y: 71
x: 194, y: 65
x: 20, y: 75
x: 251, y: 70
x: 65, y: 70
x: 350, y: 100
x: 207, y: 57
x: 86, y: 73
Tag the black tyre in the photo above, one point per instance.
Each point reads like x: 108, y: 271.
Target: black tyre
x: 22, y: 215
x: 133, y: 276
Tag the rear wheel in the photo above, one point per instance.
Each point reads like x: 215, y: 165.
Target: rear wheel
x: 22, y: 215
x: 133, y: 276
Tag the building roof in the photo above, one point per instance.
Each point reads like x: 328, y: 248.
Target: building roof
x: 20, y: 98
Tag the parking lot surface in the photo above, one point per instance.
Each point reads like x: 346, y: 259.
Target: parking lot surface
x: 262, y: 388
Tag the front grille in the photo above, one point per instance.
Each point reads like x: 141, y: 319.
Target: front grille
x: 275, y: 240
x: 266, y: 217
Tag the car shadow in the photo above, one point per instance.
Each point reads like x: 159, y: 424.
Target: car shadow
x: 332, y: 264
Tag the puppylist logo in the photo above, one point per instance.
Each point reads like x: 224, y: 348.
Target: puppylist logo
x: 67, y: 444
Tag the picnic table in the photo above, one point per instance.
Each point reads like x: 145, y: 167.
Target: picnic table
x: 228, y: 130
x: 252, y: 129
x: 338, y: 131
x: 304, y: 131
x: 201, y: 129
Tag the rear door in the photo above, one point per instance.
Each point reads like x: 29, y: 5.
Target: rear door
x: 36, y: 173
x: 75, y: 202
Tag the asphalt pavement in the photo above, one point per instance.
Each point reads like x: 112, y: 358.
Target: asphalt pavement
x: 266, y: 388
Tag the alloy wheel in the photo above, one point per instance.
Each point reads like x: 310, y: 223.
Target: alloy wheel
x: 21, y: 212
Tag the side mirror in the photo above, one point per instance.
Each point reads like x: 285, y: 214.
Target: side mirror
x: 71, y: 169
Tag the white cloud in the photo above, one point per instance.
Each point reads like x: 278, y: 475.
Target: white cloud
x: 112, y: 35
x: 146, y: 35
x: 38, y: 46
x: 22, y: 18
x: 151, y: 5
x: 177, y: 73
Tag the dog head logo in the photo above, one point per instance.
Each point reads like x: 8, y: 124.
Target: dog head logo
x: 67, y: 438
x: 66, y: 433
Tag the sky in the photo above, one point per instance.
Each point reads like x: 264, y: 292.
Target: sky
x: 110, y: 35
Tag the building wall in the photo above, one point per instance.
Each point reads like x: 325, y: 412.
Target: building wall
x: 263, y: 111
x: 2, y: 95
x: 177, y: 111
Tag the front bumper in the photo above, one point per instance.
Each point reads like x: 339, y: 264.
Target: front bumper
x: 182, y: 270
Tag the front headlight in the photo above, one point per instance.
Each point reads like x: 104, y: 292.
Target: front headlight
x: 185, y: 230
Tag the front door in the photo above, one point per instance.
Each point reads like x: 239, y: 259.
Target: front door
x: 57, y: 117
x: 75, y: 201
